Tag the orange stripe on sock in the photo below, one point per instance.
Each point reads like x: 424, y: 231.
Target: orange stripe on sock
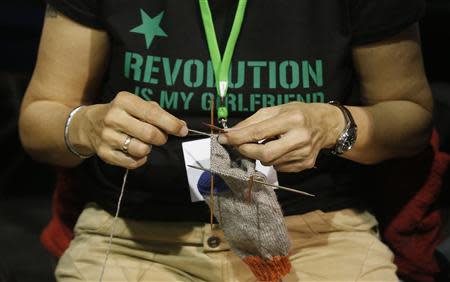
x: 269, y: 270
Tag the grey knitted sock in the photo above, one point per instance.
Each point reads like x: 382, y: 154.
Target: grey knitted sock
x: 254, y: 227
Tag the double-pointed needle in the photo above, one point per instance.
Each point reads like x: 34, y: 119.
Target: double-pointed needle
x: 210, y: 126
x: 199, y: 132
x: 264, y: 183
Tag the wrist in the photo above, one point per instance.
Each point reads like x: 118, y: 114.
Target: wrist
x: 332, y: 123
x: 78, y: 132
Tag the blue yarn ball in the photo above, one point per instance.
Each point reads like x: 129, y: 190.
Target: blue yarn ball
x: 204, y: 184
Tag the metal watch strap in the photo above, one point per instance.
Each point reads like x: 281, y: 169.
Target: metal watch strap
x: 348, y: 136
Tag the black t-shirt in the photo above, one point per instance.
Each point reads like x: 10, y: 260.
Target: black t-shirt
x: 287, y: 51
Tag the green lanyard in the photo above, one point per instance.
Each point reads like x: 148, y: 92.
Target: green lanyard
x: 221, y: 66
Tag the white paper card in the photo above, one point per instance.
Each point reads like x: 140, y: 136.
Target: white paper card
x: 197, y: 153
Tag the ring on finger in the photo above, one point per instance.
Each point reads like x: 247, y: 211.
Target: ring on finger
x: 126, y: 144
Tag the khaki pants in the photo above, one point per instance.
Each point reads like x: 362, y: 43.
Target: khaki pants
x: 336, y: 246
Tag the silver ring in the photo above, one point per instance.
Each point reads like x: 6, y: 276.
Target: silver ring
x: 126, y: 144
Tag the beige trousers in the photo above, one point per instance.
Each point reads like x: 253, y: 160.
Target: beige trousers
x: 336, y: 246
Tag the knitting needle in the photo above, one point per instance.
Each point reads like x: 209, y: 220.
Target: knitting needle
x: 250, y: 188
x: 285, y: 188
x: 264, y: 183
x: 199, y: 132
x: 226, y: 130
x: 215, y: 128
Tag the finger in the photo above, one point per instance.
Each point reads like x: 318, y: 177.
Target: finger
x: 118, y: 158
x: 259, y: 116
x: 256, y: 132
x: 152, y: 113
x: 116, y: 140
x: 138, y: 149
x: 287, y: 167
x: 145, y: 132
x: 296, y: 163
x: 296, y: 155
x: 294, y: 166
x: 270, y: 151
x: 304, y: 153
x: 307, y: 154
x: 124, y: 160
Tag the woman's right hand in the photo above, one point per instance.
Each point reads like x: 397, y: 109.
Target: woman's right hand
x: 105, y: 127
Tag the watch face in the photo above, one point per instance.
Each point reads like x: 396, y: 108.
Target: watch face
x: 346, y: 141
x: 350, y: 138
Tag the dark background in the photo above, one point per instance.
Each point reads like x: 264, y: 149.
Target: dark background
x: 26, y: 187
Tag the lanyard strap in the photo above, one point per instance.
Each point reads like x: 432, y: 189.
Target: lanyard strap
x: 221, y: 66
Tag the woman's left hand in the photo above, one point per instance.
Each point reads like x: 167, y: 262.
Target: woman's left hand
x: 294, y: 134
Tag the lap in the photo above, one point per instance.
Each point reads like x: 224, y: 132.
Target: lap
x: 338, y: 246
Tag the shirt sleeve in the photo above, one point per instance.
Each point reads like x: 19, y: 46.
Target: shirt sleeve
x: 375, y: 20
x: 85, y: 12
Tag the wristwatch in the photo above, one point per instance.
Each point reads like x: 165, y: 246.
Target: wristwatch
x: 348, y: 136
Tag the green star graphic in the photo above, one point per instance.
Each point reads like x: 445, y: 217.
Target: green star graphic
x: 150, y: 27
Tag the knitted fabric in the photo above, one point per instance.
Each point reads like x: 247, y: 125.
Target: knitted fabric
x: 252, y: 222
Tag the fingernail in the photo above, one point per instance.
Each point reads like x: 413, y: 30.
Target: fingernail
x: 222, y: 139
x: 184, y: 131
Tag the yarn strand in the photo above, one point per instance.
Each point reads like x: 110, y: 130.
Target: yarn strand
x: 113, y: 226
